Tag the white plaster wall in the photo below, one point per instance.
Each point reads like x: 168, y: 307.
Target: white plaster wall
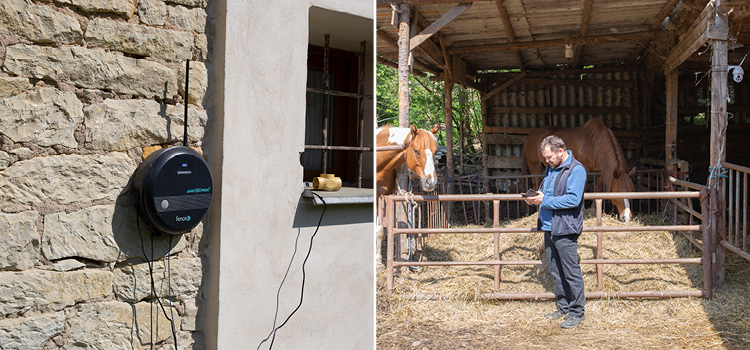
x: 260, y: 102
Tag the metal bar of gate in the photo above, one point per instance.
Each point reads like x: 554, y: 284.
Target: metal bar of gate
x: 705, y: 259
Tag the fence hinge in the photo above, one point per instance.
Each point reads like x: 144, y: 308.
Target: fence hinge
x: 713, y: 258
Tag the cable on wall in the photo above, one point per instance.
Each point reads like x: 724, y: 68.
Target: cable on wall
x: 272, y: 334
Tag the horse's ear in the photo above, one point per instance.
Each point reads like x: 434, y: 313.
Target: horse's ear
x: 631, y: 172
x: 414, y: 130
x: 435, y: 129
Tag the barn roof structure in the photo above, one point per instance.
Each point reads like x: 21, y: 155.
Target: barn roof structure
x: 472, y: 42
x: 534, y: 34
x: 634, y: 63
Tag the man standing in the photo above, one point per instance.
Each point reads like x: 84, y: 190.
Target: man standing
x: 560, y: 200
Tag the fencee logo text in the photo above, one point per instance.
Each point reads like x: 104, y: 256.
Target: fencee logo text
x: 182, y: 218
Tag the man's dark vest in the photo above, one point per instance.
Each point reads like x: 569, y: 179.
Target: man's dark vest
x: 564, y: 221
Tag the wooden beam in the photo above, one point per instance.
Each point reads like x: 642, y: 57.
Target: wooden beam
x: 428, y: 47
x: 439, y: 24
x: 389, y: 63
x: 387, y: 3
x: 525, y: 131
x: 554, y: 42
x: 509, y: 31
x: 690, y: 41
x: 585, y: 19
x: 578, y: 82
x: 382, y: 35
x: 508, y: 162
x: 547, y: 73
x: 403, y: 65
x: 561, y: 110
x: 670, y: 136
x: 719, y: 92
x: 448, y: 99
x: 656, y: 24
x: 503, y: 86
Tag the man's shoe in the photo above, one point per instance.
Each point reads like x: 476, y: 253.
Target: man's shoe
x: 555, y: 315
x: 572, y: 321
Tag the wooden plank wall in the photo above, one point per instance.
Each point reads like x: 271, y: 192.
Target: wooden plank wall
x: 693, y: 141
x: 567, y: 99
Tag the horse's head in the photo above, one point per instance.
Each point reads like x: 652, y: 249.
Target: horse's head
x: 420, y: 156
x: 621, y: 182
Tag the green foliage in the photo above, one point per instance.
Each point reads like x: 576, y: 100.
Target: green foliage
x: 426, y: 108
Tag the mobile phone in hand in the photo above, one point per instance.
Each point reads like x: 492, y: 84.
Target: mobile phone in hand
x: 530, y: 193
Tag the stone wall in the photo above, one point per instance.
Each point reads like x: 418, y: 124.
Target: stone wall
x: 87, y: 89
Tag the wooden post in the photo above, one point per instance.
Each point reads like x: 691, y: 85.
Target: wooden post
x: 448, y: 95
x: 403, y: 65
x: 485, y: 153
x: 599, y: 256
x: 670, y: 143
x: 718, y: 133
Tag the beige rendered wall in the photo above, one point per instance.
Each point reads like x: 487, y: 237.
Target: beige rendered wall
x: 258, y: 99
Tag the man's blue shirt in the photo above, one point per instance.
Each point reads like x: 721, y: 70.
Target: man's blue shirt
x: 571, y: 198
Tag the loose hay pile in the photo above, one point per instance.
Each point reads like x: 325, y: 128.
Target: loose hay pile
x: 463, y: 321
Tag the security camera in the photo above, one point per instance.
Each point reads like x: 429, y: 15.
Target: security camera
x: 737, y: 74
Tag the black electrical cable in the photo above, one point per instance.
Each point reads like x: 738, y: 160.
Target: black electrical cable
x: 272, y: 335
x: 149, y: 262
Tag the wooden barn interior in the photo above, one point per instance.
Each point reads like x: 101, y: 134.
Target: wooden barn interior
x: 652, y: 70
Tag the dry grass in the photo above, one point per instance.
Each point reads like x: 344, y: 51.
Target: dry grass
x: 463, y: 321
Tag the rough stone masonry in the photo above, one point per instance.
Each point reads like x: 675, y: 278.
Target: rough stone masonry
x: 85, y: 87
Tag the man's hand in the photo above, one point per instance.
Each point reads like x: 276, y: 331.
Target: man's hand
x: 536, y: 200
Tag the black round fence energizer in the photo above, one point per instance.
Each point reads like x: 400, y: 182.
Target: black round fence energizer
x: 174, y: 185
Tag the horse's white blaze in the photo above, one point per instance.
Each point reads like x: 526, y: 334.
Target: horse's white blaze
x: 398, y: 135
x: 626, y: 213
x: 429, y: 168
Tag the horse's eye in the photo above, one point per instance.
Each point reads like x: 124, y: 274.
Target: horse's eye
x: 416, y: 151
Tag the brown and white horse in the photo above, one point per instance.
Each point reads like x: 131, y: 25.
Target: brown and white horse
x: 596, y: 147
x: 417, y: 151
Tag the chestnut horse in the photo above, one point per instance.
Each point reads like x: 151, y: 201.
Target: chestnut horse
x: 417, y: 152
x: 596, y: 147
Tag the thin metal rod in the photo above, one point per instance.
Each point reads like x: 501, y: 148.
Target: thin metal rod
x: 339, y: 93
x: 389, y: 148
x: 586, y: 196
x: 496, y: 224
x: 734, y: 249
x: 401, y: 231
x: 361, y: 111
x: 389, y: 212
x: 599, y: 267
x: 539, y: 262
x: 326, y: 86
x: 187, y: 86
x: 339, y: 148
x: 744, y: 215
x: 599, y: 295
x: 707, y: 245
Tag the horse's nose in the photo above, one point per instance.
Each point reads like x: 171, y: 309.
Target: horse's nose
x: 626, y: 215
x: 429, y: 183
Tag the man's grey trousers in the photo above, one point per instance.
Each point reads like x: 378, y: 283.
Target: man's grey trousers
x: 562, y: 259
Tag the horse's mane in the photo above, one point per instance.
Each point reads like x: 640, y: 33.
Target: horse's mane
x: 608, y: 154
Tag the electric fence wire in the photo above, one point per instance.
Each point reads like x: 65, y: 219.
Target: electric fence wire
x: 272, y: 334
x: 149, y: 262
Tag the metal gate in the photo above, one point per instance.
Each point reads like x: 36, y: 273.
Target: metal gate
x: 708, y: 246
